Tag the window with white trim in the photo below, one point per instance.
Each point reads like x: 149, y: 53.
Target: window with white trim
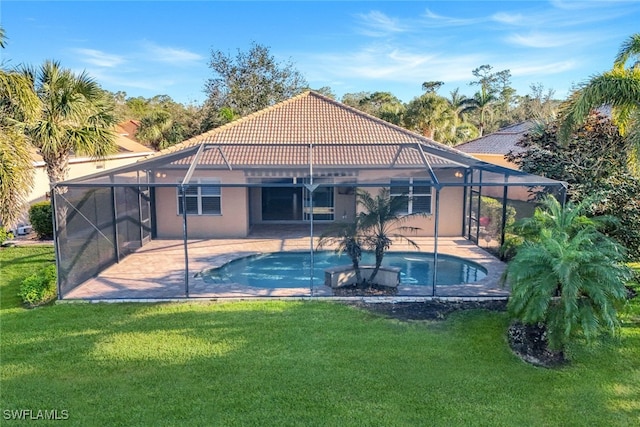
x: 417, y: 193
x: 202, y: 200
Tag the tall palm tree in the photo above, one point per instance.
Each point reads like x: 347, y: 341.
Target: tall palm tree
x: 76, y: 117
x: 618, y: 88
x: 567, y: 275
x: 482, y: 104
x: 19, y: 106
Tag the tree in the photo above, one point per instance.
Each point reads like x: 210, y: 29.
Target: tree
x: 347, y: 236
x: 567, y: 276
x: 432, y: 86
x: 618, y: 88
x: 429, y: 115
x: 594, y: 162
x: 19, y: 107
x: 482, y: 104
x: 251, y: 81
x: 381, y: 221
x: 76, y: 117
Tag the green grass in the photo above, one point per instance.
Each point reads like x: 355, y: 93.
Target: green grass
x: 295, y: 363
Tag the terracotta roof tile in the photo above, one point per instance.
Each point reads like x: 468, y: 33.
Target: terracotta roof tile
x: 312, y: 119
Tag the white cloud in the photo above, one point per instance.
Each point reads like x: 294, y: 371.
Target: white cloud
x: 99, y: 58
x: 169, y: 54
x: 545, y: 40
x: 507, y: 18
x: 538, y: 69
x: 377, y: 24
x: 435, y: 20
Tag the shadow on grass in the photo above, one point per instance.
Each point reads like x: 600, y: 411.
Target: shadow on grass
x: 308, y: 363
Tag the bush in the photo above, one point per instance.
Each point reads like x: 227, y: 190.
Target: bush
x: 39, y: 288
x: 5, y: 235
x: 41, y: 219
x: 491, y: 216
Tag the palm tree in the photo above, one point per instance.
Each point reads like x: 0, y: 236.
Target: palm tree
x: 567, y: 276
x: 19, y: 106
x: 430, y: 115
x: 381, y: 221
x: 347, y: 236
x: 482, y: 103
x: 618, y: 88
x: 76, y: 117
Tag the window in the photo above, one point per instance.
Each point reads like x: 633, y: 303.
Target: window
x: 417, y: 193
x: 202, y: 200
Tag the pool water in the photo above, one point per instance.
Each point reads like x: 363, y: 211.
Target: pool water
x: 292, y: 269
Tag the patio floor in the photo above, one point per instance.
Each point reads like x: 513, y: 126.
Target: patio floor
x: 156, y: 271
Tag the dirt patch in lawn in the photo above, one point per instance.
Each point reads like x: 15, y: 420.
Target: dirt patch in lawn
x: 427, y: 310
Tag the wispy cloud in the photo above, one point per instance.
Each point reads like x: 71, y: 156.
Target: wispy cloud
x: 508, y: 18
x: 537, y: 69
x: 434, y: 20
x: 377, y: 24
x: 99, y: 58
x: 544, y: 40
x: 169, y: 54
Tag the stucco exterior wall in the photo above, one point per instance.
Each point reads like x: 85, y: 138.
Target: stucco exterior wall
x: 232, y: 222
x: 241, y: 207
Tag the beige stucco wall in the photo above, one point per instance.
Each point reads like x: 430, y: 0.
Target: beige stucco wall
x: 237, y: 216
x: 451, y: 204
x: 234, y: 218
x: 78, y: 167
x: 515, y: 193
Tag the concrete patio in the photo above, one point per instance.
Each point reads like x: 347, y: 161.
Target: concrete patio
x: 156, y: 271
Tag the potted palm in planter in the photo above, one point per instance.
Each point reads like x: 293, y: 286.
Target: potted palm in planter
x: 566, y: 280
x: 374, y: 228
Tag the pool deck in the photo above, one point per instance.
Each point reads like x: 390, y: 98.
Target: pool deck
x: 156, y: 272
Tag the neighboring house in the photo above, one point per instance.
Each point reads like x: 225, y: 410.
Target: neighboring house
x: 300, y: 161
x: 129, y: 151
x: 493, y: 147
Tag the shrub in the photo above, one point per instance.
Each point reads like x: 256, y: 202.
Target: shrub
x: 39, y: 288
x: 41, y: 218
x: 5, y: 235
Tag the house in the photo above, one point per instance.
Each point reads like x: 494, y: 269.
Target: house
x: 129, y: 151
x: 493, y: 148
x: 300, y: 161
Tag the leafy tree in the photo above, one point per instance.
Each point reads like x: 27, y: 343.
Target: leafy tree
x: 482, y: 105
x: 618, y: 88
x: 538, y: 105
x: 251, y: 80
x: 383, y: 105
x: 567, y: 275
x: 430, y: 115
x: 594, y: 164
x: 19, y: 107
x: 76, y: 117
x: 432, y: 86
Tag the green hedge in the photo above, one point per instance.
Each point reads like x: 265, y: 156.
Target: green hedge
x: 41, y: 219
x: 39, y: 288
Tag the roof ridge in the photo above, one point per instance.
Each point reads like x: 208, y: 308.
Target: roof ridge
x: 384, y: 122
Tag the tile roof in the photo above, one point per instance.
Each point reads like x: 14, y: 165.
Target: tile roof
x: 341, y: 135
x: 499, y: 142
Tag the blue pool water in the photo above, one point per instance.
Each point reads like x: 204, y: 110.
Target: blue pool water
x: 292, y: 269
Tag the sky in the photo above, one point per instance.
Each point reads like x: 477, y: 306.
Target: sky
x: 148, y: 48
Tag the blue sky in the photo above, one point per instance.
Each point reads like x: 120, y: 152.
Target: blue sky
x: 148, y: 48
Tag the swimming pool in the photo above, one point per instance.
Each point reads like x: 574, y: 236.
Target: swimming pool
x: 292, y: 269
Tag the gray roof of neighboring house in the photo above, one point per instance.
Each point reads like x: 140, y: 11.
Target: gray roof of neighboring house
x: 499, y: 142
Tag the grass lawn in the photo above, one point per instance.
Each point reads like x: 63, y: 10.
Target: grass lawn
x: 294, y: 363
